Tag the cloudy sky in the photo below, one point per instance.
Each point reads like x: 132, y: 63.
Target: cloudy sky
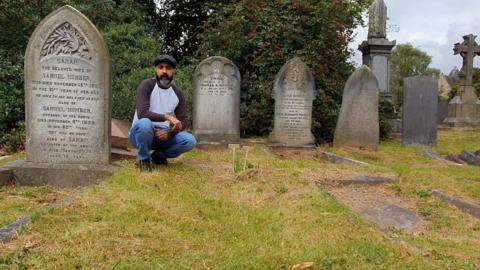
x: 433, y: 26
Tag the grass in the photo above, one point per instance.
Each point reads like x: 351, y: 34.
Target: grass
x: 198, y: 213
x: 18, y: 201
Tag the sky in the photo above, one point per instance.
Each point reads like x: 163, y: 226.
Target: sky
x: 433, y: 26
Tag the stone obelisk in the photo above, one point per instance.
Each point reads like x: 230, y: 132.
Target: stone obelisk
x: 377, y: 48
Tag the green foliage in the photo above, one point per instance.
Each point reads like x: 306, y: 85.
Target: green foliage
x: 183, y: 79
x: 14, y: 140
x: 132, y: 52
x: 260, y: 37
x: 386, y: 113
x: 180, y: 24
x: 407, y: 61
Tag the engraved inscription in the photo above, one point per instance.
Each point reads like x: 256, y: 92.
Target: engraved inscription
x: 293, y: 114
x: 216, y: 85
x: 65, y: 40
x: 70, y: 98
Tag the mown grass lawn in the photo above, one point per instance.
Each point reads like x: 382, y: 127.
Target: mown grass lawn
x: 199, y: 214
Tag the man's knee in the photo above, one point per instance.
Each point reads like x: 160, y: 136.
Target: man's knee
x: 144, y: 126
x: 188, y: 141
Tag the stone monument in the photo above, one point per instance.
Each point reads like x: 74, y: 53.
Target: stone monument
x: 68, y: 103
x: 420, y: 99
x: 464, y: 108
x: 358, y: 123
x: 377, y: 49
x: 293, y: 92
x: 216, y: 103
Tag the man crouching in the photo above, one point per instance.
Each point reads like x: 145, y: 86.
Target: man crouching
x: 160, y: 117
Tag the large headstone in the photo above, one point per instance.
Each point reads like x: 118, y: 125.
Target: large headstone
x: 293, y: 91
x: 420, y: 99
x: 358, y: 123
x: 216, y: 103
x: 68, y: 102
x: 464, y: 109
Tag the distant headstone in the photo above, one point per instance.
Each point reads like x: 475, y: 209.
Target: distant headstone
x: 442, y: 111
x: 358, y: 123
x: 420, y: 99
x: 464, y: 108
x: 68, y: 102
x: 216, y: 103
x: 293, y: 91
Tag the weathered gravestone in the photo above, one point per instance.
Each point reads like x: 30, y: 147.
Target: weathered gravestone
x: 216, y: 103
x: 293, y: 91
x: 358, y: 125
x: 68, y: 103
x: 464, y: 108
x: 420, y: 99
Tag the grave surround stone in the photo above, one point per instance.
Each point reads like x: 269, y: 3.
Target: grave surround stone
x: 358, y: 123
x: 420, y: 101
x: 216, y: 103
x: 68, y: 103
x: 293, y: 92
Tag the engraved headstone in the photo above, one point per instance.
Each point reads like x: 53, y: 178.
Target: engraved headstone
x: 216, y: 103
x: 68, y: 102
x: 358, y: 123
x: 294, y: 89
x: 420, y: 99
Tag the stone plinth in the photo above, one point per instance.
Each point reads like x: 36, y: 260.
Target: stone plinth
x: 358, y: 125
x: 294, y: 93
x: 61, y: 175
x: 376, y: 55
x: 68, y: 102
x: 420, y: 100
x: 464, y: 109
x: 216, y: 103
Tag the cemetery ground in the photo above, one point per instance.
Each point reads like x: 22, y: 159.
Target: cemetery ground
x: 198, y: 213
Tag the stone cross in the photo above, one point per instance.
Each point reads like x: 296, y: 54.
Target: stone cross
x: 377, y: 21
x: 468, y: 49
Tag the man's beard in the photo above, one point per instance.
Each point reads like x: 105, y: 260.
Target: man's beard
x: 164, y: 81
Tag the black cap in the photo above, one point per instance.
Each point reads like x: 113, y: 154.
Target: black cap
x: 165, y: 58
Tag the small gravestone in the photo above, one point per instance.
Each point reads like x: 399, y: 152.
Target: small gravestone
x: 294, y: 89
x: 68, y: 103
x: 420, y: 99
x: 358, y: 125
x: 216, y: 103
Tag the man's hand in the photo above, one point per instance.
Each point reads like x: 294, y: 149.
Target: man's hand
x: 176, y: 124
x: 161, y: 134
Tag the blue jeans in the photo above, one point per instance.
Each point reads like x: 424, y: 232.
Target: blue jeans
x: 142, y: 136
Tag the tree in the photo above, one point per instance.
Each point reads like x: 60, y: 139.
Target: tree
x: 407, y: 61
x: 180, y: 24
x: 261, y: 36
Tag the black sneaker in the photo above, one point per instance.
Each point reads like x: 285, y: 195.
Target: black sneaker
x: 145, y: 165
x: 158, y: 158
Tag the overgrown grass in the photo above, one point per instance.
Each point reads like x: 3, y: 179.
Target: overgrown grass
x: 198, y: 213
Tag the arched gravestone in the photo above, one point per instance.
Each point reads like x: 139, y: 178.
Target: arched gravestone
x: 293, y: 91
x: 358, y: 125
x: 216, y: 102
x: 68, y: 102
